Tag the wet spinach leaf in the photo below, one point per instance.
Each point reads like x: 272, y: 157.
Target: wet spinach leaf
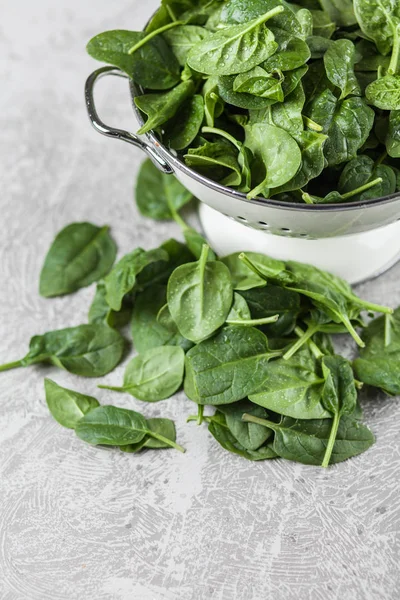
x: 223, y: 435
x: 160, y: 108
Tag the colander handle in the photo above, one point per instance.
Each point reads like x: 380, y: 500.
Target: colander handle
x: 119, y: 134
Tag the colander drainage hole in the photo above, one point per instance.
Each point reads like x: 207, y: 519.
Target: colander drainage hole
x: 285, y: 229
x: 263, y: 223
x: 242, y: 219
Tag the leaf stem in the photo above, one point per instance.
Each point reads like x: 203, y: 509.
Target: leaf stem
x: 376, y: 307
x: 223, y: 134
x: 307, y: 198
x: 362, y: 188
x: 150, y: 36
x: 200, y: 414
x: 347, y: 323
x: 303, y: 337
x: 113, y: 388
x: 394, y: 60
x: 11, y: 365
x: 312, y: 124
x: 388, y: 330
x: 250, y: 265
x: 331, y: 441
x: 253, y: 322
x: 264, y: 422
x: 166, y: 440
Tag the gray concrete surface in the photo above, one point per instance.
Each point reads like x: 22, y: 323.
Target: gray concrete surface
x: 80, y: 523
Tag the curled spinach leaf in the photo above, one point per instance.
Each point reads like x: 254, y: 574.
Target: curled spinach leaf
x: 66, y: 406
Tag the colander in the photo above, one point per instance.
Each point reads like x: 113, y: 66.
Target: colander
x: 355, y: 240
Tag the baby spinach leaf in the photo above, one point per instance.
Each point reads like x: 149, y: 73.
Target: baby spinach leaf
x: 305, y: 441
x: 340, y: 11
x: 112, y: 426
x: 219, y: 159
x: 235, y: 12
x: 265, y: 268
x: 213, y: 105
x: 195, y: 242
x: 236, y: 48
x: 240, y: 310
x: 147, y: 330
x: 154, y: 375
x: 66, y: 406
x: 228, y: 367
x: 163, y: 427
x: 180, y: 131
x: 273, y: 299
x: 292, y: 52
x: 182, y: 38
x: 356, y: 173
x: 384, y: 93
x: 87, y: 350
x: 393, y: 135
x: 379, y: 363
x: 80, y: 254
x: 159, y: 108
x: 288, y: 114
x: 156, y: 192
x: 158, y: 272
x: 272, y: 168
x: 220, y: 431
x: 339, y: 64
x: 323, y: 25
x: 199, y: 297
x: 250, y: 435
x: 293, y: 387
x: 259, y: 82
x: 122, y: 278
x: 240, y: 99
x: 153, y: 66
x: 339, y: 395
x: 100, y: 312
x: 378, y: 21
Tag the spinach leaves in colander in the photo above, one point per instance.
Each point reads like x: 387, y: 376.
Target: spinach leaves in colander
x: 269, y: 96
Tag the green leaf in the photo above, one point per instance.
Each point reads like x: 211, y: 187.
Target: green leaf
x: 377, y: 21
x: 305, y: 441
x: 180, y: 131
x: 239, y: 311
x: 200, y: 297
x: 393, y: 136
x: 147, y: 330
x: 164, y: 427
x: 153, y: 66
x: 217, y: 159
x: 158, y: 272
x: 66, y: 406
x: 250, y: 435
x: 111, y: 426
x: 339, y: 64
x: 292, y: 52
x: 340, y: 11
x: 273, y: 168
x: 195, y: 242
x: 220, y: 431
x: 100, y: 312
x: 379, y: 363
x: 87, y: 350
x: 259, y: 82
x: 156, y: 193
x: 159, y: 108
x: 228, y: 367
x: 154, y: 375
x: 122, y: 278
x: 234, y: 49
x: 384, y: 93
x: 293, y: 387
x: 80, y: 254
x: 273, y: 299
x: 182, y: 38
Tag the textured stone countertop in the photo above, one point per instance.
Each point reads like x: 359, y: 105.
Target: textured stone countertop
x: 80, y: 523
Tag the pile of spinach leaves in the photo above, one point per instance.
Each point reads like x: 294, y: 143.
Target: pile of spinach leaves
x: 295, y: 101
x: 246, y: 335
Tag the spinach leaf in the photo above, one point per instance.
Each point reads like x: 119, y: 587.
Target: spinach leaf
x: 235, y: 49
x: 292, y: 52
x: 250, y: 435
x: 393, y: 135
x: 340, y: 11
x: 240, y: 99
x: 213, y: 105
x: 356, y: 173
x: 243, y: 278
x: 153, y: 66
x: 100, y: 312
x: 293, y: 387
x: 220, y: 431
x: 158, y: 272
x: 66, y: 406
x: 87, y: 350
x: 80, y: 254
x: 323, y: 25
x: 273, y: 299
x: 239, y: 311
x: 259, y: 82
x: 154, y: 375
x: 228, y: 367
x: 113, y: 426
x: 218, y: 159
x: 339, y: 64
x: 160, y: 426
x: 180, y: 131
x: 195, y: 242
x: 271, y: 169
x: 147, y: 330
x: 384, y: 93
x: 379, y: 363
x: 159, y: 108
x: 288, y: 114
x: 305, y: 441
x: 199, y: 297
x: 378, y: 21
x: 156, y: 192
x: 235, y: 12
x: 122, y: 278
x: 253, y: 269
x: 182, y: 38
x: 339, y: 395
